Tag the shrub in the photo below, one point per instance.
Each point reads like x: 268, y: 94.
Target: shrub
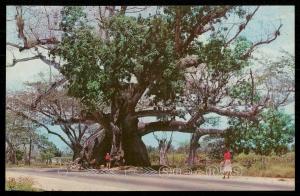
x: 21, y: 184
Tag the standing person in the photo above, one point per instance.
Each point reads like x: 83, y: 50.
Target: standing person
x: 227, y: 169
x: 107, y: 160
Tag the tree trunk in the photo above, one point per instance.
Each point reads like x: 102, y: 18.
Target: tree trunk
x: 194, y: 145
x: 127, y: 142
x: 29, y: 152
x: 135, y: 151
x: 163, y: 159
x: 11, y: 155
x: 76, y: 151
x: 95, y: 148
x: 25, y: 155
x: 101, y: 148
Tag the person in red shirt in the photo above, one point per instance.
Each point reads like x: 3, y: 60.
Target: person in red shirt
x: 107, y: 160
x: 227, y: 169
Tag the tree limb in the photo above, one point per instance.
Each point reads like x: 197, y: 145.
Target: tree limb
x: 267, y: 41
x: 225, y: 112
x: 52, y: 87
x: 242, y: 27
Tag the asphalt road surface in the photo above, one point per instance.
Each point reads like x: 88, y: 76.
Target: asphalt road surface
x: 60, y: 179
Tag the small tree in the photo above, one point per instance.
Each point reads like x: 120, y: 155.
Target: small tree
x: 274, y: 131
x: 48, y: 150
x: 163, y: 146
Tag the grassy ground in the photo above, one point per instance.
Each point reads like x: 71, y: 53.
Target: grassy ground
x: 20, y: 184
x: 34, y: 165
x: 267, y: 166
x: 251, y: 164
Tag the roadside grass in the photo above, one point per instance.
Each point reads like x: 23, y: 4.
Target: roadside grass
x: 33, y: 165
x: 267, y: 166
x: 20, y: 184
x: 251, y: 164
x: 275, y: 170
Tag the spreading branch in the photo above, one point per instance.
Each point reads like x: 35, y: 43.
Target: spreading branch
x: 38, y: 56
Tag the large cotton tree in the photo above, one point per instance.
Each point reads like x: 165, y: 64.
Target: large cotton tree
x: 133, y: 67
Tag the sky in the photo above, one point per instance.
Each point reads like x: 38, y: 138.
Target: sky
x: 267, y: 18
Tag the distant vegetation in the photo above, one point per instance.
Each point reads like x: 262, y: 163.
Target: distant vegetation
x: 252, y: 164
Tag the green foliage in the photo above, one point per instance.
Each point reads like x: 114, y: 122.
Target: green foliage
x: 70, y: 16
x: 213, y: 146
x: 20, y: 132
x: 19, y: 154
x: 220, y: 59
x: 98, y: 70
x: 143, y: 49
x: 243, y: 92
x: 49, y: 150
x: 274, y: 131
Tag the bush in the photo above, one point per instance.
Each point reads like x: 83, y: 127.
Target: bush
x: 21, y: 184
x: 267, y: 166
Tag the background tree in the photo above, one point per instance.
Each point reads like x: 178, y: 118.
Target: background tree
x: 274, y: 132
x: 163, y: 146
x: 22, y: 138
x: 55, y: 109
x: 48, y: 150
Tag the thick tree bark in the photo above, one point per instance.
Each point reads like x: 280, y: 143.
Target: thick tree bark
x: 11, y: 155
x: 96, y: 147
x: 194, y: 145
x: 76, y: 151
x: 135, y: 152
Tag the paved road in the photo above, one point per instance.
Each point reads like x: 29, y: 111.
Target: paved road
x: 54, y: 179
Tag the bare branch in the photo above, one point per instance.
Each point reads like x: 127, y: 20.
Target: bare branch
x: 15, y: 61
x: 52, y: 87
x: 242, y: 27
x: 38, y: 56
x: 267, y: 41
x: 252, y: 87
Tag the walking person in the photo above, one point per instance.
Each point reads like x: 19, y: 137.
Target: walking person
x: 227, y: 168
x: 107, y: 160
